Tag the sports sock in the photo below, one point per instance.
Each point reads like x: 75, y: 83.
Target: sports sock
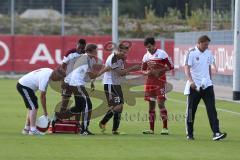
x: 164, y: 116
x: 116, y: 121
x: 152, y: 116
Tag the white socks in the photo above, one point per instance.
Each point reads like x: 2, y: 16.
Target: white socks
x: 33, y: 128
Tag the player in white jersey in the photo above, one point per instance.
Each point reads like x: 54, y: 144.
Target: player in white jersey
x: 26, y: 86
x: 112, y: 86
x: 199, y: 86
x: 67, y: 64
x: 82, y: 73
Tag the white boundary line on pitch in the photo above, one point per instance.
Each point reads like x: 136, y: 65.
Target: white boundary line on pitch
x: 219, y: 109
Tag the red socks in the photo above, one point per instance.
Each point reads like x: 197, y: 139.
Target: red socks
x: 152, y: 117
x: 164, y: 116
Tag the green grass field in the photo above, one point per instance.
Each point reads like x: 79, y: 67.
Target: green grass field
x: 134, y: 145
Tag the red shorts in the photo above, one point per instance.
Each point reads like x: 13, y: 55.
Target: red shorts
x: 155, y: 92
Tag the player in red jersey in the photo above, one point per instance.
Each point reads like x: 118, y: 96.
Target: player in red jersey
x: 155, y: 63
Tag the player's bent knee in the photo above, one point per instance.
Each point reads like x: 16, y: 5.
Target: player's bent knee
x: 76, y: 109
x: 118, y: 108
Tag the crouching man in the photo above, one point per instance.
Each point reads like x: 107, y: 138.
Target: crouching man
x: 27, y: 86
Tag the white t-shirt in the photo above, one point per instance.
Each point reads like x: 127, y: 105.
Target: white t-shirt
x: 82, y: 66
x: 70, y: 61
x: 37, y: 79
x: 199, y: 63
x: 112, y: 77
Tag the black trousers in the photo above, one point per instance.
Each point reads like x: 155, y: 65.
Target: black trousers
x: 82, y: 104
x: 193, y: 100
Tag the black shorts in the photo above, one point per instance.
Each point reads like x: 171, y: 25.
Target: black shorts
x: 28, y: 95
x: 113, y: 94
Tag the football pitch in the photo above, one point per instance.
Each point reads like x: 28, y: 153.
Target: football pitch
x: 133, y: 145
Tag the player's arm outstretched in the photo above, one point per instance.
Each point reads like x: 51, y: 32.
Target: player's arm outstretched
x: 103, y: 70
x: 123, y: 72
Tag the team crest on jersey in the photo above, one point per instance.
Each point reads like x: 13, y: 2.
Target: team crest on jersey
x: 197, y: 58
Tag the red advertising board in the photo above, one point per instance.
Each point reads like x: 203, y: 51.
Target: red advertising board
x: 26, y: 53
x: 32, y: 52
x: 6, y: 53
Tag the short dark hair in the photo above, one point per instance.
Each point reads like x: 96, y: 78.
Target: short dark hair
x: 90, y: 47
x: 82, y: 41
x: 123, y: 46
x: 149, y: 40
x: 203, y: 38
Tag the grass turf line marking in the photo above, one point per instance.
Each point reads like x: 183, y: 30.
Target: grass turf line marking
x: 219, y: 109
